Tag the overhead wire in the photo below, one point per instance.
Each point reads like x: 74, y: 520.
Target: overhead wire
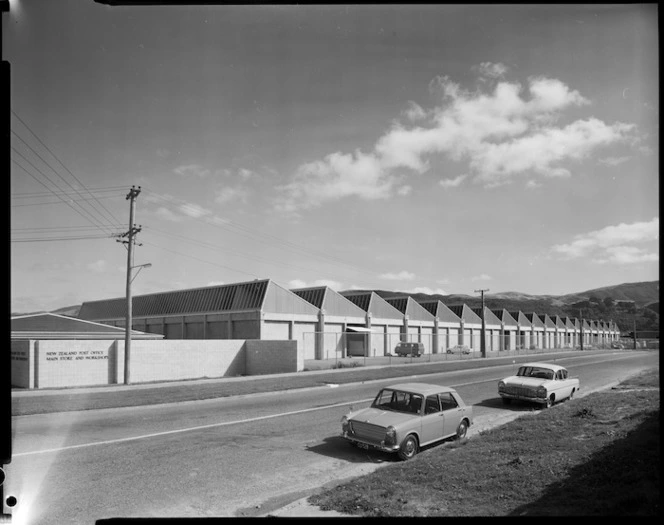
x: 113, y: 217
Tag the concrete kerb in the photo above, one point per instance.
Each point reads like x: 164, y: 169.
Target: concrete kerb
x: 449, y: 366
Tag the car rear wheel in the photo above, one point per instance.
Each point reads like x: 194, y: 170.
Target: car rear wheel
x: 462, y: 430
x: 571, y: 394
x: 408, y: 448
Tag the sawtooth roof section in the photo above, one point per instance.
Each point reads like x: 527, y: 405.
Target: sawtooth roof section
x: 55, y: 326
x: 262, y: 295
x: 489, y: 316
x: 373, y: 303
x: 560, y: 323
x: 521, y: 319
x: 411, y: 308
x: 569, y: 323
x: 585, y: 324
x: 535, y: 320
x: 505, y: 317
x: 548, y: 322
x: 464, y: 312
x: 331, y: 302
x: 440, y: 310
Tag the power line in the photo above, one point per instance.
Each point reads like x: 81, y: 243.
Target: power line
x: 54, y: 171
x: 90, y: 218
x: 285, y: 244
x: 63, y: 238
x: 60, y: 162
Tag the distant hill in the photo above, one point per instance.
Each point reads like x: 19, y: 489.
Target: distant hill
x: 644, y: 295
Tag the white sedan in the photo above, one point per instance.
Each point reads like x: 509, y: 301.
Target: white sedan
x: 541, y: 383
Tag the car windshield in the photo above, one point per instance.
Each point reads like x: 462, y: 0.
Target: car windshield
x: 398, y: 401
x: 535, y: 371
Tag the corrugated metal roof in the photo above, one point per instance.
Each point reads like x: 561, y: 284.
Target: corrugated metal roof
x: 373, y: 303
x: 54, y: 326
x: 535, y: 320
x: 505, y: 317
x: 411, y: 308
x: 229, y: 297
x: 314, y: 295
x: 489, y: 316
x: 465, y: 313
x: 440, y: 310
x: 361, y: 300
x: 330, y: 301
x: 521, y: 318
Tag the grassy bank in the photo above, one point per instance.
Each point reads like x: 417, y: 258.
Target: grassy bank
x: 592, y: 456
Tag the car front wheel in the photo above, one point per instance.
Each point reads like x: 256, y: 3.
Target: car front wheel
x: 549, y: 401
x: 408, y: 448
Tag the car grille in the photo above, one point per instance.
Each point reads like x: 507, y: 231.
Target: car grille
x: 367, y: 431
x: 520, y: 391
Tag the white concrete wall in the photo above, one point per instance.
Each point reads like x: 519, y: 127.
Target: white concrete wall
x: 171, y: 360
x: 273, y: 357
x: 22, y: 355
x: 73, y: 363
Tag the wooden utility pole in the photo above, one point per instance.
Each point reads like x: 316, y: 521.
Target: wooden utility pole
x: 483, y: 341
x: 581, y: 315
x: 133, y: 230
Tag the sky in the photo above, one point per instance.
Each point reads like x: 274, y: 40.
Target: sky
x: 434, y: 148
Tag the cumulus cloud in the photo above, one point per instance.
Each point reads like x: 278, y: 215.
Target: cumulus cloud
x: 99, y: 266
x: 298, y: 283
x: 192, y: 170
x: 230, y: 194
x: 490, y: 70
x: 613, y: 161
x: 428, y: 291
x: 452, y: 183
x: 401, y: 276
x: 614, y: 244
x: 503, y: 131
x: 414, y: 111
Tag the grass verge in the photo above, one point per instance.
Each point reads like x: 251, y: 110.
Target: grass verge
x: 592, y: 456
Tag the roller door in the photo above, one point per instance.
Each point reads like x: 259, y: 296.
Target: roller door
x: 452, y: 338
x: 392, y: 338
x: 305, y: 335
x: 333, y: 341
x: 426, y: 339
x: 495, y: 340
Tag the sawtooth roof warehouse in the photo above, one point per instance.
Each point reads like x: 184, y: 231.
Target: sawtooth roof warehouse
x: 321, y: 320
x: 259, y: 327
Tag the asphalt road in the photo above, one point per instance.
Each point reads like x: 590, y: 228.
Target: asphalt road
x: 232, y: 456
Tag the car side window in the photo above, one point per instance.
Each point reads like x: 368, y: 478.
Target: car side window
x: 447, y: 401
x: 431, y: 405
x: 559, y: 375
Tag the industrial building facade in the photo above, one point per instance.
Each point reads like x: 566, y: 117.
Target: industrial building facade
x: 327, y: 324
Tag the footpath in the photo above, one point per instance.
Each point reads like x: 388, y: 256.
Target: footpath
x: 41, y: 401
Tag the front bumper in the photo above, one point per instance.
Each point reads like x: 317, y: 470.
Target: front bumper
x: 521, y: 397
x: 363, y: 443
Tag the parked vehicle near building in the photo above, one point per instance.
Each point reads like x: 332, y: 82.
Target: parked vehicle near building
x: 540, y: 383
x: 405, y: 417
x: 412, y: 349
x: 458, y: 349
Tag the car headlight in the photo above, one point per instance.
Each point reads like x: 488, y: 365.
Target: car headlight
x: 541, y: 392
x: 390, y: 436
x: 344, y: 423
x: 501, y: 385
